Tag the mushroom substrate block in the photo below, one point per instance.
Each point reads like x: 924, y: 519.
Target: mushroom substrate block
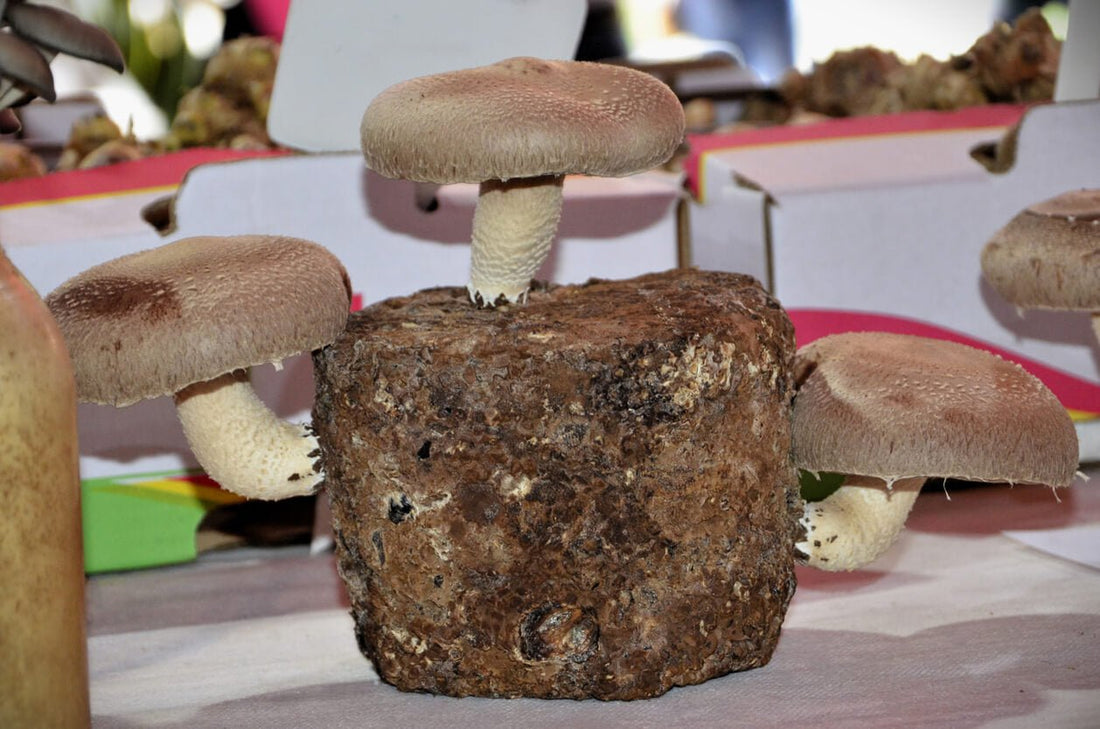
x: 590, y: 495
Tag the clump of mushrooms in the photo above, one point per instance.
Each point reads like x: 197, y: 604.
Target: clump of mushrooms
x: 35, y: 34
x: 1048, y: 256
x: 888, y: 411
x: 189, y: 319
x: 517, y: 128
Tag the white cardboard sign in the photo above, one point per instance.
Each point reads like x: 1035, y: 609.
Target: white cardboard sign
x: 336, y: 56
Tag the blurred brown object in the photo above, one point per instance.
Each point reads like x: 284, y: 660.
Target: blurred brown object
x: 112, y: 152
x: 931, y: 84
x: 206, y: 118
x: 18, y: 162
x: 229, y: 107
x: 854, y: 83
x: 244, y: 71
x: 96, y: 141
x: 699, y: 115
x: 1015, y: 63
x: 87, y: 133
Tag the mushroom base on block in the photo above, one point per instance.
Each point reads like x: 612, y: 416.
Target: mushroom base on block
x: 514, y: 225
x: 242, y: 444
x: 589, y: 495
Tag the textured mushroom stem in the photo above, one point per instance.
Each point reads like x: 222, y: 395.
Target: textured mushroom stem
x: 244, y: 446
x: 514, y: 224
x: 1096, y: 325
x: 857, y: 522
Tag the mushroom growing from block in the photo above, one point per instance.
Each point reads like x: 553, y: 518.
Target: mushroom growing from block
x: 189, y: 319
x: 517, y: 128
x: 889, y: 411
x: 1048, y: 256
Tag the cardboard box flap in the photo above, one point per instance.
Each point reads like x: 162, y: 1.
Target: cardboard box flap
x: 907, y: 147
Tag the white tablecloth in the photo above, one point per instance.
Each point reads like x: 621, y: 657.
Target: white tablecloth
x: 959, y: 626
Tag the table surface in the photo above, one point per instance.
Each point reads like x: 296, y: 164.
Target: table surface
x: 960, y: 625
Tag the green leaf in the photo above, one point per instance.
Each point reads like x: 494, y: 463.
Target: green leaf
x: 818, y: 486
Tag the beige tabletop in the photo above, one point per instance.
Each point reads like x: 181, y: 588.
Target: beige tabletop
x: 985, y: 614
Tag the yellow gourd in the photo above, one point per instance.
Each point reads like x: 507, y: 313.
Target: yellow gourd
x: 43, y: 646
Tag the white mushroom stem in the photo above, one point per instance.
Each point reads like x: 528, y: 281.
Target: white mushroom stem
x: 244, y: 446
x: 856, y: 523
x: 514, y: 224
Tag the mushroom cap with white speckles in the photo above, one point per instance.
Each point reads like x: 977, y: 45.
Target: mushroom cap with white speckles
x: 150, y: 323
x: 522, y: 117
x: 1048, y: 256
x: 894, y: 406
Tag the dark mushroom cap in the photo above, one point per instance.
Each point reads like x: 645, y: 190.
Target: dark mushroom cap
x: 151, y: 323
x: 522, y: 117
x: 63, y: 32
x: 25, y: 67
x: 894, y: 406
x: 1048, y: 256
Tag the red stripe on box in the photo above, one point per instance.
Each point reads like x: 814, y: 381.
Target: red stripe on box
x: 166, y: 170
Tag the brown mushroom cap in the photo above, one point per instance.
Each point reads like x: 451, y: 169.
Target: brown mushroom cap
x: 894, y: 406
x: 1048, y: 256
x: 522, y: 117
x: 151, y: 323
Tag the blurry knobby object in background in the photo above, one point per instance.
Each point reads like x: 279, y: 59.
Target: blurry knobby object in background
x: 30, y: 36
x: 189, y: 319
x: 227, y: 109
x: 517, y: 128
x: 229, y: 106
x: 1048, y: 256
x: 888, y: 411
x: 96, y: 140
x: 1014, y: 63
x: 43, y: 654
x: 17, y: 161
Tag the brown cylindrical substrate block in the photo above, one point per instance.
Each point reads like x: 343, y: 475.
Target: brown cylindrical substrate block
x: 589, y: 495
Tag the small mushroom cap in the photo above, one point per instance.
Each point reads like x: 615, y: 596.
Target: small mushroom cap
x: 1048, y: 256
x: 151, y: 323
x: 894, y: 406
x: 23, y: 65
x: 522, y: 117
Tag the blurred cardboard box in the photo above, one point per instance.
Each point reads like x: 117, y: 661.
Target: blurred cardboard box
x: 878, y: 223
